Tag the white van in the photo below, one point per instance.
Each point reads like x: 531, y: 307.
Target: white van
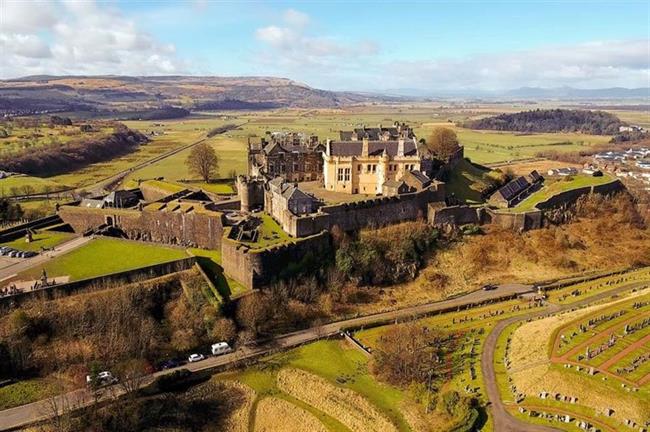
x: 221, y: 348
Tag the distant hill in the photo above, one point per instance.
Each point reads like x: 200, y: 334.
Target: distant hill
x: 36, y: 94
x: 551, y: 120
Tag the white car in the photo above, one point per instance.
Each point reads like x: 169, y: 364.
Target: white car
x: 193, y: 358
x: 102, y: 379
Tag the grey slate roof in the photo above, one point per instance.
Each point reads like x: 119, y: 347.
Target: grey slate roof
x: 375, y: 148
x: 420, y: 177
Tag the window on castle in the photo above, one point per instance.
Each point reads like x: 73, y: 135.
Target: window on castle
x: 340, y: 174
x: 282, y: 168
x: 295, y: 167
x: 368, y: 168
x: 374, y: 168
x: 359, y: 168
x: 347, y: 174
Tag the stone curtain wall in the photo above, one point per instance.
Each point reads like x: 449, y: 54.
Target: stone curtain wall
x: 18, y: 231
x: 369, y: 213
x: 255, y: 268
x: 177, y: 228
x: 99, y: 283
x: 456, y: 215
x: 571, y: 196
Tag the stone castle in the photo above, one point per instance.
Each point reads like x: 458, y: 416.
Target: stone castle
x: 370, y: 178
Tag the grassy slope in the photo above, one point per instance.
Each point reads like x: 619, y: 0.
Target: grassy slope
x: 554, y: 188
x: 103, y: 256
x: 464, y: 182
x: 329, y: 359
x: 210, y: 261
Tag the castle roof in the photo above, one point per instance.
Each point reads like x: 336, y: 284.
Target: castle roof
x: 375, y: 148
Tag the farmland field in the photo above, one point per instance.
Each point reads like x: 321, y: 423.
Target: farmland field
x: 165, y: 135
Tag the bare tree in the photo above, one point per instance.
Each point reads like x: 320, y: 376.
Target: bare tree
x: 443, y: 142
x: 203, y: 161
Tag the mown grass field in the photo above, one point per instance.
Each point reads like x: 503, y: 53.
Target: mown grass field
x: 103, y: 256
x: 23, y: 184
x: 42, y: 239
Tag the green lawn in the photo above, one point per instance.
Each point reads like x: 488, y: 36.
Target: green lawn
x: 210, y: 261
x: 27, y: 391
x: 103, y: 256
x: 20, y: 184
x: 466, y: 181
x: 551, y: 188
x: 42, y: 239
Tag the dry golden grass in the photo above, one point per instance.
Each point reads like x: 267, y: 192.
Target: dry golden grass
x: 345, y: 405
x: 278, y: 415
x: 417, y: 419
x: 238, y: 419
x: 532, y: 373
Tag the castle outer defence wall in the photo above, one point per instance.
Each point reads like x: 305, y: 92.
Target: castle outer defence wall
x: 368, y: 213
x: 255, y: 268
x: 177, y: 228
x: 456, y: 215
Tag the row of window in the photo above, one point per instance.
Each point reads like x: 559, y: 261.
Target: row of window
x: 343, y: 174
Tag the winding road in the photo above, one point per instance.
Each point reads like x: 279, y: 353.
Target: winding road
x: 503, y: 421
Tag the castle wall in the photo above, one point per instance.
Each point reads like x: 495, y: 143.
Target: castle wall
x: 255, y: 268
x: 188, y: 229
x: 455, y: 215
x: 368, y: 213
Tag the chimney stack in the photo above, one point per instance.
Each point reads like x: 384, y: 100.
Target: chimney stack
x: 364, y: 147
x: 400, y: 147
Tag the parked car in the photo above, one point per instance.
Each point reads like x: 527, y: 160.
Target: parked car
x: 102, y: 379
x: 193, y: 358
x: 171, y: 364
x: 221, y: 348
x: 489, y: 287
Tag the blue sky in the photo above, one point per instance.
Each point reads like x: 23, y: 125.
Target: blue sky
x: 338, y: 45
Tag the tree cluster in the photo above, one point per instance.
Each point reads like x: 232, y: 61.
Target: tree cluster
x: 10, y: 211
x: 386, y: 256
x: 551, y: 120
x: 62, y: 158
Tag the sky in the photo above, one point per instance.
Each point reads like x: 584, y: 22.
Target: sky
x: 337, y: 45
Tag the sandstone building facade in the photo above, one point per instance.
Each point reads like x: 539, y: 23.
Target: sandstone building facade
x: 365, y: 166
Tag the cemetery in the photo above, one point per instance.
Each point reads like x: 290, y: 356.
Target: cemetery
x: 592, y: 365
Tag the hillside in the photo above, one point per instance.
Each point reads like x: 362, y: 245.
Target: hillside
x: 119, y: 94
x: 551, y: 120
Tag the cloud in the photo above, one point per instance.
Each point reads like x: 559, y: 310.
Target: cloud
x: 595, y: 64
x: 292, y: 45
x: 78, y: 37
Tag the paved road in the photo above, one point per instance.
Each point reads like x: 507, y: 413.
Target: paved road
x: 27, y: 414
x: 27, y: 263
x: 503, y: 421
